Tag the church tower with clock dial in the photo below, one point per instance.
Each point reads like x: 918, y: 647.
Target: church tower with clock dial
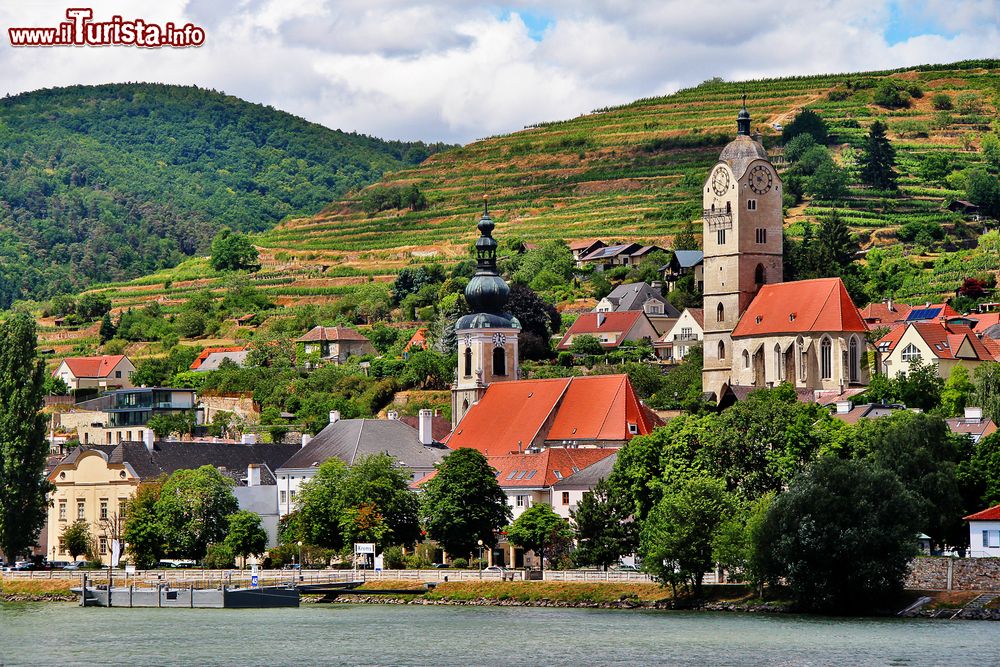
x: 742, y: 241
x: 487, y: 338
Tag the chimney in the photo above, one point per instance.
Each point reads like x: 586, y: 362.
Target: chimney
x: 392, y: 415
x: 424, y: 430
x: 305, y: 439
x: 334, y: 416
x: 889, y: 304
x: 253, y: 474
x: 249, y: 439
x: 974, y: 414
x: 147, y: 437
x: 843, y: 407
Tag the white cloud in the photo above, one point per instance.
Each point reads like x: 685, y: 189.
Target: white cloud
x: 454, y: 70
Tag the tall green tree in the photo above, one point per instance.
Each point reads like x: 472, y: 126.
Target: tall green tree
x: 376, y: 485
x: 143, y: 533
x: 233, y: 251
x: 23, y: 450
x: 808, y: 122
x: 677, y: 536
x: 734, y: 545
x: 319, y: 506
x: 537, y: 529
x: 463, y: 503
x: 958, y: 390
x: 878, y: 159
x: 986, y: 377
x: 685, y: 239
x: 604, y: 527
x: 841, y: 536
x: 245, y: 536
x: 192, y: 510
x: 107, y: 330
x: 76, y: 539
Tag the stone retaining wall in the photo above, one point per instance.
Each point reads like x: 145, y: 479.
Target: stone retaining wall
x: 954, y: 574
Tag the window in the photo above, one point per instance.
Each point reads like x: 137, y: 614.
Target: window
x: 722, y: 350
x: 826, y: 359
x: 720, y: 313
x: 81, y: 510
x: 468, y: 362
x: 291, y: 495
x: 633, y: 428
x: 720, y: 237
x: 118, y: 374
x: 803, y: 357
x: 760, y: 275
x: 499, y: 361
x: 752, y: 206
x: 103, y: 545
x: 761, y: 234
x: 62, y: 547
x: 746, y: 359
x: 565, y: 497
x: 779, y: 367
x: 62, y: 510
x: 121, y: 507
x: 991, y: 538
x: 855, y: 360
x: 104, y: 509
x: 910, y: 353
x: 521, y: 501
x: 282, y: 497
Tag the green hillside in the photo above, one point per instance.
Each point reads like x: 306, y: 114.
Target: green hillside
x: 635, y: 172
x: 101, y: 183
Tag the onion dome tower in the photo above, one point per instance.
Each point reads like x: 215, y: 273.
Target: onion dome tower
x: 487, y: 337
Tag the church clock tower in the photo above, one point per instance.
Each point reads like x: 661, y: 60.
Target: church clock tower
x: 742, y: 241
x: 487, y: 338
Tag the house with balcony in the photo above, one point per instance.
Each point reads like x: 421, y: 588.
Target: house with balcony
x: 622, y: 254
x: 944, y: 343
x: 687, y: 331
x: 332, y: 344
x: 682, y: 263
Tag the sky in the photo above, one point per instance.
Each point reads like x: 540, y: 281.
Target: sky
x: 458, y: 70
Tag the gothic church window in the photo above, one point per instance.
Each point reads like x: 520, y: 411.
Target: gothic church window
x: 855, y: 360
x: 746, y: 359
x: 722, y: 350
x: 760, y: 275
x: 826, y: 359
x: 720, y: 313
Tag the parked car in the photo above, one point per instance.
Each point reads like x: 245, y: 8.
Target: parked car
x: 56, y: 564
x: 494, y: 568
x: 76, y: 565
x: 20, y: 566
x: 441, y: 565
x: 627, y: 568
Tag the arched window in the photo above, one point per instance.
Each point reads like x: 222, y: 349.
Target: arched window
x: 465, y: 405
x: 720, y: 313
x: 722, y: 350
x: 760, y: 275
x: 800, y: 345
x: 468, y: 362
x: 499, y: 361
x: 746, y: 359
x: 779, y: 367
x: 855, y: 359
x: 826, y: 359
x: 910, y: 353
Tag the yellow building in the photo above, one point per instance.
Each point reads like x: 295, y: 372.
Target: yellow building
x: 93, y: 483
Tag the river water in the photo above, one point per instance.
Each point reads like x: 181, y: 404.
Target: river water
x: 339, y: 634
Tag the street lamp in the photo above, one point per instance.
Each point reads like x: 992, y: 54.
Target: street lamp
x: 480, y: 559
x: 300, y: 560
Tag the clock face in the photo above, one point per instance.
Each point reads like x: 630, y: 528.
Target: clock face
x: 760, y: 179
x: 720, y: 181
x: 499, y: 339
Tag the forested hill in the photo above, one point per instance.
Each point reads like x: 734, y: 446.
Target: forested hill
x: 110, y: 182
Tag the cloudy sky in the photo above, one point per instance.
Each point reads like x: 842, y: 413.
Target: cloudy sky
x: 457, y: 70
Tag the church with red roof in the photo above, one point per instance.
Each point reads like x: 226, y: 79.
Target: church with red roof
x: 760, y: 331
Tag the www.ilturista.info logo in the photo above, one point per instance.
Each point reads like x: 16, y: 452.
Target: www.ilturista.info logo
x: 81, y: 30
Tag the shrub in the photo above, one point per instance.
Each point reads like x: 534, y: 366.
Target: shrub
x: 460, y: 563
x: 393, y: 558
x: 219, y: 556
x: 942, y: 101
x: 838, y: 94
x: 969, y: 103
x: 565, y: 358
x: 915, y: 91
x: 891, y: 95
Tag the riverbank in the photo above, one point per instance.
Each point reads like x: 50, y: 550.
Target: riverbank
x: 36, y: 590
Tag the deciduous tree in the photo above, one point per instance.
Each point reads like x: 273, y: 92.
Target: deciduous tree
x: 245, y: 536
x: 537, y: 529
x: 605, y: 530
x: 192, y: 510
x: 76, y: 539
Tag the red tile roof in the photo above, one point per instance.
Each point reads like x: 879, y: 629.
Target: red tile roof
x: 513, y: 416
x: 208, y: 351
x: 93, y: 367
x: 699, y: 316
x: 418, y: 339
x: 594, y: 324
x: 991, y: 514
x: 884, y: 313
x: 544, y: 468
x: 330, y: 333
x: 802, y: 306
x: 984, y: 320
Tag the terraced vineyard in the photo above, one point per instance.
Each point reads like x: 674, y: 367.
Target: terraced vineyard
x: 631, y: 172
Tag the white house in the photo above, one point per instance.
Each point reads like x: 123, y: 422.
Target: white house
x: 110, y: 371
x: 688, y: 330
x: 984, y: 533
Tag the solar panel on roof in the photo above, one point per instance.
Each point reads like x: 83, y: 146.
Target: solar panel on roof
x: 923, y: 314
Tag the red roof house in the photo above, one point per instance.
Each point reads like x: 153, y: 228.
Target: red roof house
x: 612, y: 329
x: 107, y: 371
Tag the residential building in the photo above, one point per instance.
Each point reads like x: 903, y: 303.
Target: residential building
x: 582, y: 248
x: 334, y: 344
x: 611, y: 329
x: 758, y: 330
x: 885, y: 313
x: 110, y: 371
x: 946, y: 344
x: 488, y: 337
x: 644, y: 297
x: 414, y: 449
x: 973, y: 424
x: 682, y: 263
x: 984, y: 533
x: 849, y: 413
x: 122, y: 415
x: 93, y: 483
x: 418, y: 341
x: 687, y: 331
x: 600, y: 411
x: 931, y: 311
x: 212, y: 357
x: 569, y: 490
x: 622, y: 254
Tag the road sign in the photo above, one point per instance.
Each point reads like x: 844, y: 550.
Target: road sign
x: 364, y: 548
x: 130, y: 569
x: 254, y: 581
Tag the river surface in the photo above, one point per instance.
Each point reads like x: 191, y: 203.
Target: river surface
x: 339, y: 634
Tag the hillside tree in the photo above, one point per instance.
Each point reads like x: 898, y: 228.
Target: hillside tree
x: 233, y: 251
x: 878, y: 159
